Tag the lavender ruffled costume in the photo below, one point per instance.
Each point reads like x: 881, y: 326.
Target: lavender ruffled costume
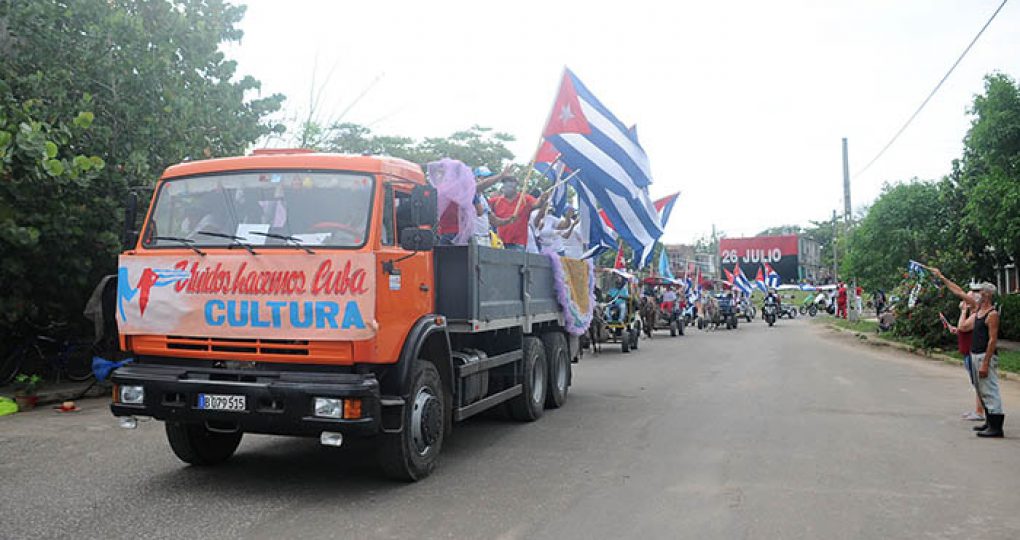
x: 455, y: 184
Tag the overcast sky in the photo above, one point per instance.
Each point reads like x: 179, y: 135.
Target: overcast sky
x: 740, y: 105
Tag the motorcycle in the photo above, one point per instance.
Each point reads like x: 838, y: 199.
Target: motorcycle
x: 788, y: 311
x: 747, y: 310
x: 769, y: 311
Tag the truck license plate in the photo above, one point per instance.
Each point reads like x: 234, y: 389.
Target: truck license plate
x: 221, y: 402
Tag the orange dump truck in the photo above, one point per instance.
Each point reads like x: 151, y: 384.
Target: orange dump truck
x: 296, y: 293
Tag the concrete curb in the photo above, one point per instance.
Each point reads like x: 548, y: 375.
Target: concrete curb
x: 876, y: 341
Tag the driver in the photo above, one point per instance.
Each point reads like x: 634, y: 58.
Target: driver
x: 775, y: 298
x: 669, y: 298
x: 618, y: 296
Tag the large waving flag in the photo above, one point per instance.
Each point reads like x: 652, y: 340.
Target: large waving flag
x: 596, y: 236
x: 614, y: 166
x: 772, y: 278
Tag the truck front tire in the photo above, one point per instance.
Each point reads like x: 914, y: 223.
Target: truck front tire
x: 195, y: 444
x: 411, y: 454
x: 558, y: 360
x: 530, y: 405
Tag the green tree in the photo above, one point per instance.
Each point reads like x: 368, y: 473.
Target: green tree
x: 990, y: 171
x: 907, y: 221
x: 475, y: 146
x: 96, y: 98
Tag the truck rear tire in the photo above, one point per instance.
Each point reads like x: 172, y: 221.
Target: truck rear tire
x: 411, y: 454
x: 196, y: 445
x: 558, y: 360
x: 530, y: 405
x: 625, y: 342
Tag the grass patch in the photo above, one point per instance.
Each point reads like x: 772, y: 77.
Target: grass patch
x: 869, y: 327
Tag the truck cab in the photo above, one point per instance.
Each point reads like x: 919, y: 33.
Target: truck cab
x: 294, y: 293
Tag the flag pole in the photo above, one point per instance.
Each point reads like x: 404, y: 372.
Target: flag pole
x: 541, y: 139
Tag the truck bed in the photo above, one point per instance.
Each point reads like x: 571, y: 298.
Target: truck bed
x: 479, y: 288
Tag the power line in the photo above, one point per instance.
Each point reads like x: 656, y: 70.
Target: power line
x: 932, y: 94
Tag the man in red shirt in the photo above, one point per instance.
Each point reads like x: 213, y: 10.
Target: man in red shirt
x: 841, y: 301
x: 509, y: 206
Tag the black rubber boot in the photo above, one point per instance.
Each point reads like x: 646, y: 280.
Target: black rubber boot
x: 994, y: 426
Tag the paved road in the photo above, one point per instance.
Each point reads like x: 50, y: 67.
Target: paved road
x: 789, y: 432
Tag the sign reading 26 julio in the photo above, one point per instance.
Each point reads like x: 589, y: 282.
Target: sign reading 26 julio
x: 270, y: 296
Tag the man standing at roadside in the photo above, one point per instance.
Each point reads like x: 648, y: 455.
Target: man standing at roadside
x: 841, y: 300
x: 983, y: 361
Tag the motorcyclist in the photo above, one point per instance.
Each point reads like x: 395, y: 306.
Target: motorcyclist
x: 775, y: 298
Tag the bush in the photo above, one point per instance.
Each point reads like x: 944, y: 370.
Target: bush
x: 920, y: 324
x: 1009, y: 315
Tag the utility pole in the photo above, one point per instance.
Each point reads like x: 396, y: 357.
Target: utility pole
x: 716, y: 263
x: 846, y: 183
x: 835, y: 237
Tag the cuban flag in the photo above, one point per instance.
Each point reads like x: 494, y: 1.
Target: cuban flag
x: 738, y: 280
x: 915, y: 267
x: 664, y: 207
x: 547, y: 163
x: 759, y: 281
x: 613, y: 165
x: 772, y: 278
x: 597, y: 237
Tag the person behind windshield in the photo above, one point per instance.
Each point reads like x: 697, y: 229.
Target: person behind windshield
x: 618, y: 296
x: 201, y: 216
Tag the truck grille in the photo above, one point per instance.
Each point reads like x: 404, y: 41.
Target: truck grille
x: 249, y: 346
x: 270, y: 350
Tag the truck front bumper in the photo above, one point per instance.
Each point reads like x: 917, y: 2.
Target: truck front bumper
x: 279, y: 403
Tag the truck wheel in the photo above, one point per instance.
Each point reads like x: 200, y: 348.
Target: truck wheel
x: 530, y: 405
x: 195, y: 444
x: 411, y: 454
x: 635, y: 336
x: 625, y: 343
x: 558, y: 359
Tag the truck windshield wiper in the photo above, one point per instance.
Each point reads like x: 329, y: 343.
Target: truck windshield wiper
x: 185, y: 241
x: 237, y: 240
x: 289, y: 239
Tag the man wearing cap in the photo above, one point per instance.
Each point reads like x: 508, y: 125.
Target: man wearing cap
x: 514, y: 207
x: 984, y: 363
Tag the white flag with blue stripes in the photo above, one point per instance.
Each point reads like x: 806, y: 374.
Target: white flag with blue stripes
x: 614, y: 166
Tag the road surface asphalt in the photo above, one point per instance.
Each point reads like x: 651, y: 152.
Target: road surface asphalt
x: 786, y: 432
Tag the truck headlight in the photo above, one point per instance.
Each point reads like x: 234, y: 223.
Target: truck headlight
x: 132, y: 395
x: 329, y: 407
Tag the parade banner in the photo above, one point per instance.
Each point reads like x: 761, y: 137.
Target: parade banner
x: 780, y: 252
x: 240, y: 295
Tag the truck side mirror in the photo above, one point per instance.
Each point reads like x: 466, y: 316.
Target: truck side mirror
x: 129, y: 236
x: 415, y: 239
x: 424, y: 211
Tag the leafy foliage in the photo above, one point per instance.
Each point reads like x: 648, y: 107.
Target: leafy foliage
x: 475, y: 146
x: 1009, y: 317
x: 906, y: 222
x: 96, y: 98
x: 920, y: 324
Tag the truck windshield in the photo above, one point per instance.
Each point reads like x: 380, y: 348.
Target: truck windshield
x: 326, y: 209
